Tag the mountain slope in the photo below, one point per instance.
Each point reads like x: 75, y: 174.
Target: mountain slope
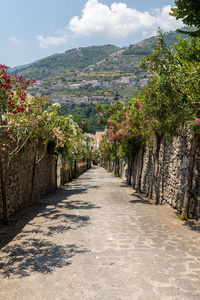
x: 71, y: 59
x: 80, y: 58
x: 146, y: 46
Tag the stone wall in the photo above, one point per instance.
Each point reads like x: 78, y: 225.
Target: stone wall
x: 67, y: 174
x: 20, y: 178
x: 172, y: 173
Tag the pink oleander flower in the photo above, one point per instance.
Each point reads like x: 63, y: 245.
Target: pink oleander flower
x: 198, y: 120
x: 110, y: 120
x: 120, y: 131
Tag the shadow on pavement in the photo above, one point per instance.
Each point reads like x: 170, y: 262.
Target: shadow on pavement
x: 38, y: 256
x: 87, y: 187
x: 193, y: 225
x: 54, y: 207
x: 78, y: 204
x: 139, y: 199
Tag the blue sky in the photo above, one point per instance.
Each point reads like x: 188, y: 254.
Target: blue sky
x: 31, y: 30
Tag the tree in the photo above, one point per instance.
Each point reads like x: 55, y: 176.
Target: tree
x: 13, y: 104
x: 174, y: 98
x: 188, y: 83
x: 45, y: 132
x: 126, y: 131
x: 110, y: 116
x: 12, y: 92
x: 188, y: 11
x: 164, y: 105
x: 83, y: 124
x: 24, y: 118
x: 11, y: 147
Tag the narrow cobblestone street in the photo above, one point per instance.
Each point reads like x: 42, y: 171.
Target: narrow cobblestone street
x: 95, y: 239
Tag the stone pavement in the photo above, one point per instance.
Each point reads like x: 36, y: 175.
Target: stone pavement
x: 95, y: 239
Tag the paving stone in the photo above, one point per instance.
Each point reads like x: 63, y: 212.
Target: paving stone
x: 95, y: 239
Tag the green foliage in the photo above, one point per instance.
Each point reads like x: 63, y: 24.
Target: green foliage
x: 183, y: 217
x: 171, y: 37
x: 73, y: 66
x: 87, y: 110
x: 170, y: 100
x: 171, y: 97
x: 126, y: 129
x: 188, y: 12
x: 73, y: 59
x: 137, y: 50
x: 146, y: 46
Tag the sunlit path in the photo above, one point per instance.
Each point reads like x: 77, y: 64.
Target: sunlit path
x: 95, y: 239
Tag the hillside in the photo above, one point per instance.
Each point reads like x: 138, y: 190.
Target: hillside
x: 93, y: 74
x: 71, y: 59
x: 100, y: 57
x: 146, y: 46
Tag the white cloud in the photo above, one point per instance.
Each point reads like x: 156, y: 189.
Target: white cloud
x: 144, y: 33
x: 112, y: 23
x: 164, y: 20
x: 51, y: 40
x: 119, y: 21
x: 15, y: 40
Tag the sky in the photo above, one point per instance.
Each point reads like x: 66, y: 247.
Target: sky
x: 31, y: 30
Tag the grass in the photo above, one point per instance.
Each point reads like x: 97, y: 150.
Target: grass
x: 183, y: 217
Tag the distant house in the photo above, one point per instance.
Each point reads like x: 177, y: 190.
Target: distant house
x: 143, y: 82
x: 102, y: 98
x: 105, y: 83
x: 86, y: 99
x: 75, y: 86
x: 91, y: 142
x: 113, y: 55
x: 58, y: 99
x: 98, y: 138
x: 91, y: 67
x: 123, y: 80
x: 57, y: 87
x: 95, y: 82
x: 38, y: 84
x: 84, y: 82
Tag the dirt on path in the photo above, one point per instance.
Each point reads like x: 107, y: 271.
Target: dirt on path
x: 95, y: 239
